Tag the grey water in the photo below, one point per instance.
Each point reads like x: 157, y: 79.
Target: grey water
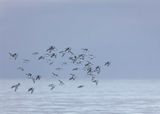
x: 109, y: 97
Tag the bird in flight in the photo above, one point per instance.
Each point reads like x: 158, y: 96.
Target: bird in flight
x: 91, y: 56
x: 54, y: 74
x: 38, y: 77
x: 89, y: 70
x: 35, y: 53
x: 54, y: 55
x: 13, y: 55
x: 95, y: 81
x: 97, y: 69
x: 80, y: 86
x: 73, y: 59
x: 15, y: 87
x: 41, y: 57
x: 29, y: 75
x: 58, y: 68
x: 74, y: 69
x: 51, y: 48
x: 63, y: 53
x: 33, y: 79
x: 88, y: 63
x: 31, y: 90
x: 67, y: 49
x: 64, y: 63
x: 61, y: 82
x: 26, y: 60
x: 51, y: 63
x: 73, y: 77
x: 108, y: 63
x: 20, y: 68
x: 85, y: 49
x: 52, y: 86
x: 81, y: 56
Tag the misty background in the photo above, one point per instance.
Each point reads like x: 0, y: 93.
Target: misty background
x: 125, y: 32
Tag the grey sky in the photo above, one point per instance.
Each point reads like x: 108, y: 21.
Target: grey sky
x: 125, y: 32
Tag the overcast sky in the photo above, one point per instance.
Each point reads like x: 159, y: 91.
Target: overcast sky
x: 122, y: 31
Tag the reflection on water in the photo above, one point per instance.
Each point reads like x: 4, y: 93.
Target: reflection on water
x: 110, y: 97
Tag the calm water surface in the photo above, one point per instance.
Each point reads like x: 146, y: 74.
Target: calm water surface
x: 110, y: 97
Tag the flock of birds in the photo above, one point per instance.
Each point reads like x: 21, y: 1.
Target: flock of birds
x: 81, y: 62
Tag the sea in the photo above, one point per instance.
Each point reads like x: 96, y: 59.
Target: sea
x: 109, y: 97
